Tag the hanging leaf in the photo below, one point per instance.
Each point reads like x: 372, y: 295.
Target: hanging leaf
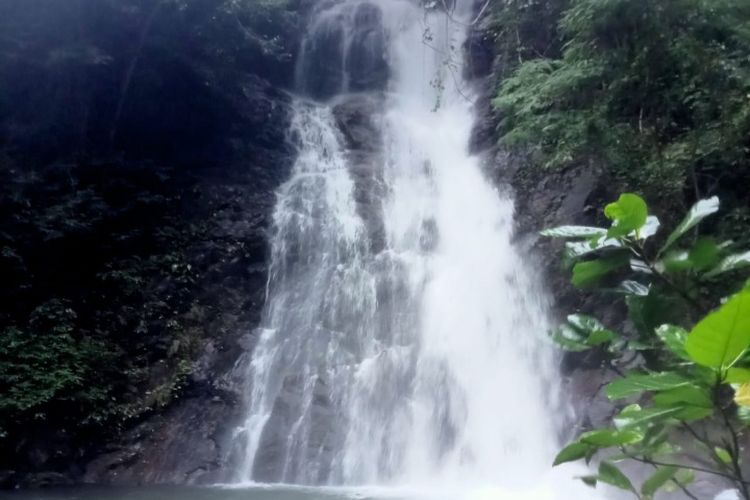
x: 636, y: 383
x: 572, y: 452
x: 611, y: 475
x: 657, y: 480
x: 628, y: 213
x: 589, y: 480
x: 697, y: 213
x: 730, y: 263
x: 674, y: 337
x: 720, y: 338
x: 573, y: 232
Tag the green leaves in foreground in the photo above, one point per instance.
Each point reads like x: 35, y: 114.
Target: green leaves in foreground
x: 719, y: 339
x: 677, y: 387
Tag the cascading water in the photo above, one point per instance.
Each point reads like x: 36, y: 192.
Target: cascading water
x: 401, y: 339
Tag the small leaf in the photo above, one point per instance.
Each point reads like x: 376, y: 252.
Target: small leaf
x: 570, y: 339
x: 576, y: 249
x: 639, y: 266
x: 611, y: 475
x: 723, y: 455
x: 730, y: 263
x: 697, y: 213
x: 572, y: 452
x: 573, y: 232
x: 588, y: 272
x: 720, y: 338
x: 631, y: 417
x: 627, y: 214
x: 674, y: 337
x: 742, y: 395
x: 704, y: 254
x: 650, y: 228
x: 596, y: 332
x: 633, y: 288
x: 589, y: 480
x: 604, y: 438
x: 636, y: 383
x: 657, y: 480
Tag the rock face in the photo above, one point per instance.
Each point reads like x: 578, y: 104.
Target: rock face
x: 142, y: 143
x: 344, y: 51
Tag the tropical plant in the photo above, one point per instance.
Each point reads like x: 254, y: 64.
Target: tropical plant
x: 683, y: 396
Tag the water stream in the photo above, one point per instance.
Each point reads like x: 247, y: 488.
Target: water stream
x: 402, y: 338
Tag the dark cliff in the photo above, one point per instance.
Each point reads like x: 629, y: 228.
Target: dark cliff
x: 141, y: 142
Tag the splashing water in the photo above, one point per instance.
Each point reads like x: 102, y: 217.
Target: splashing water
x: 401, y: 342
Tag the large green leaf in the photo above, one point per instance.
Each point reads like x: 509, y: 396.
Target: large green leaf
x: 697, y: 213
x: 572, y: 452
x: 704, y: 254
x: 720, y: 338
x: 657, y: 480
x: 573, y: 232
x: 688, y: 395
x: 731, y: 263
x: 589, y: 272
x: 611, y: 475
x: 636, y: 383
x: 674, y: 337
x: 628, y: 213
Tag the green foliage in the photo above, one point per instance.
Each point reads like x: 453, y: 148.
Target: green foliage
x: 660, y: 85
x: 50, y: 363
x: 693, y: 378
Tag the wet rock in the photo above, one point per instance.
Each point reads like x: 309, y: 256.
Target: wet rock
x: 46, y: 480
x: 344, y: 51
x: 359, y: 117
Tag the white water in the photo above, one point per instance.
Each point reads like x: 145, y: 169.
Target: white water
x: 419, y: 362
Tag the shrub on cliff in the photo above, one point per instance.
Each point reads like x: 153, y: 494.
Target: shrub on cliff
x: 660, y: 85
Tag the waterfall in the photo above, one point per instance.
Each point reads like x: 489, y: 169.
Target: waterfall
x: 402, y: 340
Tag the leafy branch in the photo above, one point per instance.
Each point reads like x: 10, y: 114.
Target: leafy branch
x: 687, y: 379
